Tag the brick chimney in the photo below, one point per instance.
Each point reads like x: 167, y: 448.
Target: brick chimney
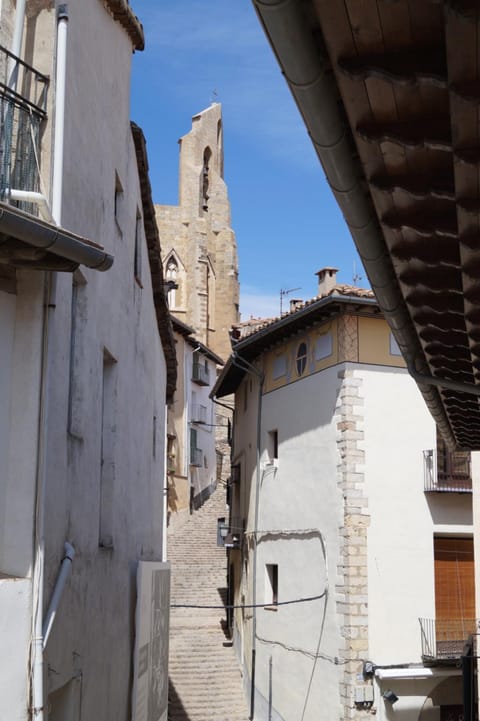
x: 327, y: 279
x: 295, y: 304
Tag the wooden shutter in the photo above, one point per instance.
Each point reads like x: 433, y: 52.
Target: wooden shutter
x: 454, y: 579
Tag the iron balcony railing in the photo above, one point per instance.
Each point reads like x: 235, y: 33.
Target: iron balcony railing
x: 196, y: 457
x: 444, y: 640
x: 450, y: 473
x: 199, y: 413
x: 200, y: 374
x: 23, y: 103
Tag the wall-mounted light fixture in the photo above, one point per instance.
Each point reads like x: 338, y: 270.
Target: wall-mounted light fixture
x: 222, y: 531
x: 232, y: 540
x: 389, y: 696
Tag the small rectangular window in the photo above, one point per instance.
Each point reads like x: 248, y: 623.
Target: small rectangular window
x: 279, y: 366
x: 196, y: 454
x: 272, y: 448
x: 323, y: 346
x: 271, y: 584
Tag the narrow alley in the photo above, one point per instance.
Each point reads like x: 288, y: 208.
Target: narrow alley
x: 205, y: 683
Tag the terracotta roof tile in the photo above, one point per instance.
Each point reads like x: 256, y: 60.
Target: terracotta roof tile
x: 253, y: 325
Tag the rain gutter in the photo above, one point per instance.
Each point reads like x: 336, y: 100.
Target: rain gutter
x: 308, y: 72
x: 39, y: 234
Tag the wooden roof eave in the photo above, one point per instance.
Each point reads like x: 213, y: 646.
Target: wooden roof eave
x: 302, y: 57
x: 164, y: 320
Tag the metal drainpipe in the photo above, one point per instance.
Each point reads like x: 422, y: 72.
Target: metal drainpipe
x: 37, y: 671
x: 38, y: 699
x: 60, y: 87
x: 63, y: 574
x: 249, y: 368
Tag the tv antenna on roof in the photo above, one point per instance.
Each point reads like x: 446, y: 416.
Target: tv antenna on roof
x: 284, y: 292
x: 214, y: 95
x: 356, y: 276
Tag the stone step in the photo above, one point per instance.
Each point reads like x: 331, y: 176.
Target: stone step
x: 205, y: 679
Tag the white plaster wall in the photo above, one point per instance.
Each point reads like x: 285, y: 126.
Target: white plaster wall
x: 21, y: 325
x: 21, y: 334
x: 94, y: 628
x: 398, y: 428
x: 301, y: 494
x: 21, y: 322
x: 15, y: 605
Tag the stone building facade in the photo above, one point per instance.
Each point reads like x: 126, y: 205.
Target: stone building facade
x: 338, y: 482
x: 199, y: 246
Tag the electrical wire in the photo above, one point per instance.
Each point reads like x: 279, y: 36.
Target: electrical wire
x: 311, y: 654
x: 251, y: 605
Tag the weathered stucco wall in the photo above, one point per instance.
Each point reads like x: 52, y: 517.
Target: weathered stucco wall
x: 105, y: 463
x: 350, y: 467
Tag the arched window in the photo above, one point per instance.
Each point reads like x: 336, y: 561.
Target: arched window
x: 205, y: 180
x: 172, y: 281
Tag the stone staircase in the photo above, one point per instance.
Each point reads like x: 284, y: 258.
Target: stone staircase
x: 205, y: 683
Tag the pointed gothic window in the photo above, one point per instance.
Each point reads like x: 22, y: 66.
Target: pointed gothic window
x: 205, y: 180
x: 172, y: 281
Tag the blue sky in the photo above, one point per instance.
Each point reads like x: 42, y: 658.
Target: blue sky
x: 286, y: 221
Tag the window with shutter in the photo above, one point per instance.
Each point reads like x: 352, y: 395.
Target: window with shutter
x: 454, y: 590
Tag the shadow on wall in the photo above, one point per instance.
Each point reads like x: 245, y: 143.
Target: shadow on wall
x: 442, y: 505
x: 172, y: 495
x: 176, y: 710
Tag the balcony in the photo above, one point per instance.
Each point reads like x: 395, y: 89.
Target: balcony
x: 196, y: 457
x: 444, y: 641
x: 23, y: 98
x: 199, y: 413
x: 200, y: 374
x: 446, y: 472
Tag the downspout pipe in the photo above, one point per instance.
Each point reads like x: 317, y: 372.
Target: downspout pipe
x: 63, y: 574
x: 38, y: 692
x: 309, y: 75
x: 37, y: 662
x: 60, y: 90
x: 244, y: 365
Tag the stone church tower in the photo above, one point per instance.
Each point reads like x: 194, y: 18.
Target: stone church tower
x: 199, y: 246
